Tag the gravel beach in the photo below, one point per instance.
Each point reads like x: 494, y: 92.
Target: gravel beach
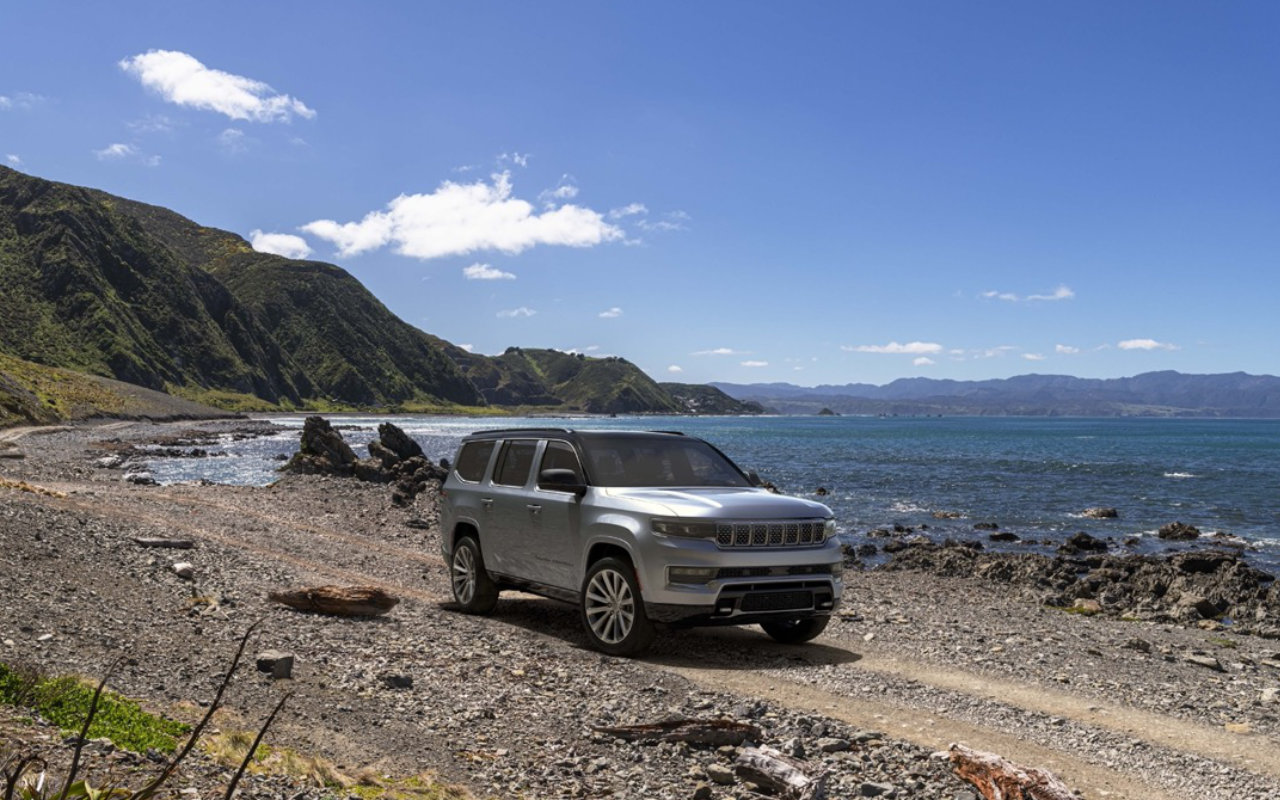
x: 507, y: 706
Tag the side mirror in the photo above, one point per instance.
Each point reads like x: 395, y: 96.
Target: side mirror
x: 561, y: 480
x: 753, y: 478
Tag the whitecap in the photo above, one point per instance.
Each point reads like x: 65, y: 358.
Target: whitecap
x: 1180, y: 475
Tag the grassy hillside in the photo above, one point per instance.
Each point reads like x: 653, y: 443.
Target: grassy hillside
x: 108, y: 286
x: 32, y: 394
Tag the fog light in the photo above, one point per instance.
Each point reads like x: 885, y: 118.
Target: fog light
x: 690, y: 574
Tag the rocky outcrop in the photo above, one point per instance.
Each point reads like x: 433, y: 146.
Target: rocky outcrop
x: 1178, y: 532
x: 1206, y: 587
x: 394, y: 457
x: 321, y: 451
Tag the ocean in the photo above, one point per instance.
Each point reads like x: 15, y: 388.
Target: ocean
x: 1029, y: 476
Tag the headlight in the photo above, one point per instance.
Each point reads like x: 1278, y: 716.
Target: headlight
x: 828, y: 529
x: 689, y: 530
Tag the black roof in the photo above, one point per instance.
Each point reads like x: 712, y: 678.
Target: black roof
x: 566, y: 433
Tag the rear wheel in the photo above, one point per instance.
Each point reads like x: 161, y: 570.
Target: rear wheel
x: 474, y: 590
x: 612, y: 609
x: 796, y: 631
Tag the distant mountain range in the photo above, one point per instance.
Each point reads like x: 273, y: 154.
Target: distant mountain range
x: 1155, y: 394
x: 105, y: 286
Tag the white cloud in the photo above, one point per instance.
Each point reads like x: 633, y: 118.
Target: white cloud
x: 923, y: 361
x: 126, y: 152
x: 894, y: 348
x: 1065, y: 349
x: 181, y: 79
x: 1060, y: 293
x: 1033, y: 356
x: 995, y: 352
x: 484, y: 272
x: 115, y: 152
x: 468, y: 347
x: 457, y: 219
x: 565, y: 190
x: 512, y: 313
x: 628, y: 211
x: 674, y: 368
x: 22, y: 101
x: 1145, y: 344
x: 671, y: 221
x: 13, y: 159
x: 755, y: 363
x: 519, y: 159
x: 233, y: 142
x: 281, y: 244
x: 612, y: 313
x: 720, y: 351
x: 152, y: 123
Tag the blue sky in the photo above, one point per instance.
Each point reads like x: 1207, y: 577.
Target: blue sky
x: 742, y: 191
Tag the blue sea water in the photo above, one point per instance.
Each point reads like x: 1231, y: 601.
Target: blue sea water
x: 1030, y: 476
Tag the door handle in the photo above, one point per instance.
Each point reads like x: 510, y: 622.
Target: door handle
x: 534, y: 509
x: 487, y: 502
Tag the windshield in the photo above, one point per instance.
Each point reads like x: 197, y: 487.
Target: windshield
x: 636, y: 461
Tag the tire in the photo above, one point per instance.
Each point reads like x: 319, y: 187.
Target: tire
x: 474, y: 590
x: 613, y: 610
x: 796, y: 631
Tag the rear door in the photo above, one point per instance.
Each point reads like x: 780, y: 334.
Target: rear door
x: 506, y: 511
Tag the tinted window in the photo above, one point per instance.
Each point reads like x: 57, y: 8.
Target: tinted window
x: 559, y: 455
x: 514, y: 464
x: 473, y: 459
x: 635, y: 461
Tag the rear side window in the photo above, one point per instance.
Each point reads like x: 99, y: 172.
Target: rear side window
x: 473, y: 459
x: 515, y: 463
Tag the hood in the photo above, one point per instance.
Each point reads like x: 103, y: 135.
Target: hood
x: 718, y: 502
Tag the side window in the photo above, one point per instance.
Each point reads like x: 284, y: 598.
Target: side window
x: 514, y: 463
x: 473, y: 459
x: 559, y: 455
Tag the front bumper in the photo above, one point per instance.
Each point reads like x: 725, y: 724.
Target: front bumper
x: 750, y: 603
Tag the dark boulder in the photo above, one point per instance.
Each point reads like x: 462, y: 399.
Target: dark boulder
x: 1082, y: 543
x: 1100, y: 512
x: 398, y: 442
x: 1178, y: 532
x: 321, y: 451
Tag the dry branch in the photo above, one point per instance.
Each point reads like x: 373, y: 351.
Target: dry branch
x: 999, y: 779
x: 709, y: 732
x: 781, y: 774
x: 344, y: 601
x: 177, y: 544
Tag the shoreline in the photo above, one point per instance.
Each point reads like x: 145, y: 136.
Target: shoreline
x: 505, y: 705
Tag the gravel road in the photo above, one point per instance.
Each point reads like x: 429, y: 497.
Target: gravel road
x: 506, y: 706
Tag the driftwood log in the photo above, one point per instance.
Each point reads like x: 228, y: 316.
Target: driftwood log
x: 178, y: 544
x: 999, y: 779
x: 343, y: 601
x: 705, y: 732
x: 780, y: 774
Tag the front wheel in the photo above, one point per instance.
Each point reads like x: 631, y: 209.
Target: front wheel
x: 474, y: 590
x: 796, y: 631
x: 613, y: 611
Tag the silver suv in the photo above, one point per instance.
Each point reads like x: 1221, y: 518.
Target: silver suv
x: 635, y: 528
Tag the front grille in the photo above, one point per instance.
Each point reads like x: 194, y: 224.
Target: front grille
x: 795, y: 533
x: 777, y: 601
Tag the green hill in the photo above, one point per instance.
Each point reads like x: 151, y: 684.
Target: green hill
x: 102, y: 285
x: 696, y: 398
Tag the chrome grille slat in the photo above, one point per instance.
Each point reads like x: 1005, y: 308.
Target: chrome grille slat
x: 753, y: 534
